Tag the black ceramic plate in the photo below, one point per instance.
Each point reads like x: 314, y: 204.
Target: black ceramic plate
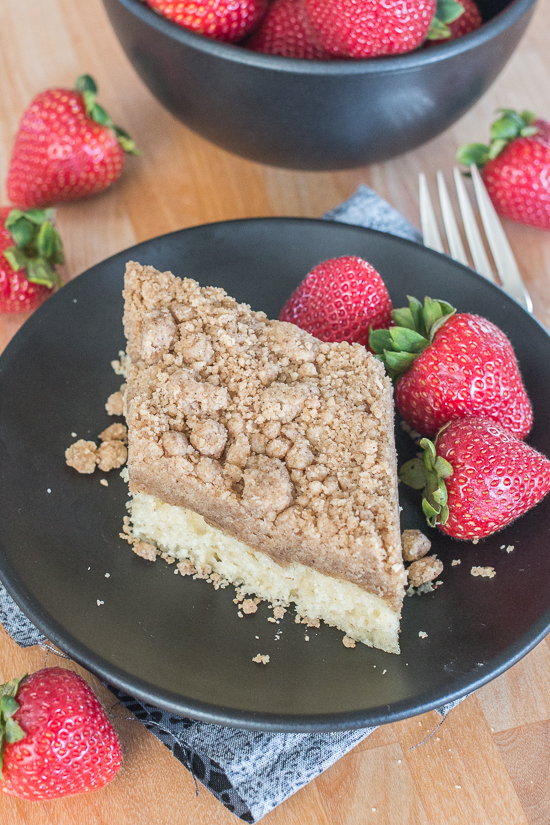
x: 178, y: 643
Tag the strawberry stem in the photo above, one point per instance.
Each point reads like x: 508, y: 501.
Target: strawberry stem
x: 506, y: 128
x: 86, y: 85
x: 37, y: 248
x: 447, y: 11
x: 10, y: 730
x: 414, y: 330
x: 428, y: 474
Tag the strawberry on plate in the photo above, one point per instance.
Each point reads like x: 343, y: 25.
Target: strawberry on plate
x: 285, y: 30
x: 30, y: 250
x: 55, y: 737
x: 477, y: 478
x: 66, y: 147
x: 225, y: 20
x: 450, y: 365
x: 340, y: 300
x: 369, y: 28
x: 515, y: 167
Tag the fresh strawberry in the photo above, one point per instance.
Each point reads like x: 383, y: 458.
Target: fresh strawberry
x: 477, y: 478
x: 67, y: 147
x: 226, y: 20
x: 30, y: 250
x: 285, y: 30
x: 56, y: 739
x: 339, y: 300
x: 450, y: 365
x: 369, y: 28
x: 465, y: 23
x: 515, y: 167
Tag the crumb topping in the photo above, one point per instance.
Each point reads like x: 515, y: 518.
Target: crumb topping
x: 115, y: 403
x: 281, y: 440
x: 424, y: 570
x: 82, y: 456
x: 116, y: 432
x: 485, y: 572
x: 145, y: 550
x: 415, y: 544
x: 111, y: 455
x: 261, y: 659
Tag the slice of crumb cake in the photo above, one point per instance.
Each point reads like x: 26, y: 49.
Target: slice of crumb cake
x: 263, y: 455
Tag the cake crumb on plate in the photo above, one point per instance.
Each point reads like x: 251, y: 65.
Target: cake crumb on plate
x: 484, y: 572
x: 261, y: 659
x: 82, y: 456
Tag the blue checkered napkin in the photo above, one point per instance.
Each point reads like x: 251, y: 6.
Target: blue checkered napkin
x: 249, y: 772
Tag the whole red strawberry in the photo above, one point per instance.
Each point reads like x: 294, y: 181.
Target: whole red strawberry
x: 67, y: 147
x: 450, y: 365
x: 30, y: 250
x: 226, y: 20
x: 477, y: 478
x: 56, y: 738
x: 515, y: 167
x: 340, y: 300
x: 369, y: 28
x: 467, y: 22
x: 285, y: 30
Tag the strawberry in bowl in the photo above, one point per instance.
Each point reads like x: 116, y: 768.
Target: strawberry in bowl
x: 265, y: 104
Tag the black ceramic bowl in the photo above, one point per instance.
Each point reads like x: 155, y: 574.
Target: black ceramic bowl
x: 310, y: 114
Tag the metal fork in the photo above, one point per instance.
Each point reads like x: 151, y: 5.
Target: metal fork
x: 509, y: 277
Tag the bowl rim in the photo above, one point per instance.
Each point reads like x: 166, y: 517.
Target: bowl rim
x: 378, y: 65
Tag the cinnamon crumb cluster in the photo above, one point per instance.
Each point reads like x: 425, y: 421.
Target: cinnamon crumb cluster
x: 484, y: 572
x: 423, y: 569
x: 84, y: 456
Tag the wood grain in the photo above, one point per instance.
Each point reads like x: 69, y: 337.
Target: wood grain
x: 490, y: 760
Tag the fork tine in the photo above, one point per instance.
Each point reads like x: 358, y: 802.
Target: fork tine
x: 477, y: 249
x: 430, y: 232
x: 505, y: 262
x: 456, y: 247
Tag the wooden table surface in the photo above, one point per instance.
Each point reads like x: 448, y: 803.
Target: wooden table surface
x: 490, y: 760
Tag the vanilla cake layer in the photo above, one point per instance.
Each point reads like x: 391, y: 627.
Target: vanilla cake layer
x: 182, y: 534
x: 276, y: 439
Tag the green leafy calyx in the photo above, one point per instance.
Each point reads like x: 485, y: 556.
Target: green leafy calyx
x: 86, y: 85
x: 37, y: 246
x: 414, y: 330
x: 10, y: 730
x: 506, y: 128
x: 447, y: 11
x: 428, y: 474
